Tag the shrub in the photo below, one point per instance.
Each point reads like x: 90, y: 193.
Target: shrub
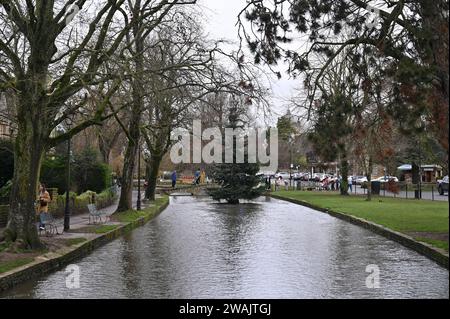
x: 91, y: 174
x: 78, y: 204
x: 5, y: 191
x: 6, y: 162
x: 53, y: 173
x: 87, y: 173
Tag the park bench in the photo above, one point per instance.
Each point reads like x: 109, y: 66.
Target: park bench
x: 96, y: 216
x: 49, y: 223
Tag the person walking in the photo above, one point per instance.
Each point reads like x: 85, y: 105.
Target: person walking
x: 43, y: 201
x: 197, y: 177
x: 350, y: 184
x: 174, y: 179
x: 203, y: 177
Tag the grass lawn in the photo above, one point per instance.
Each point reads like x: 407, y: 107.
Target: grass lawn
x: 75, y: 241
x: 10, y: 265
x: 426, y: 219
x: 99, y: 230
x: 132, y: 215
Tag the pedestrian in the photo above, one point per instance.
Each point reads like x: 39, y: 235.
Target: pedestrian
x: 43, y: 200
x: 197, y: 177
x: 278, y: 183
x: 350, y: 184
x: 174, y: 179
x: 325, y: 184
x: 203, y: 177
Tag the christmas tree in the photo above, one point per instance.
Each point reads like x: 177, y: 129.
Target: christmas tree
x: 236, y: 181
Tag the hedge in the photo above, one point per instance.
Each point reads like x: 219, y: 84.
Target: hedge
x: 79, y: 204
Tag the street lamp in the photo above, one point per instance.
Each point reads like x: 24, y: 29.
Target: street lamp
x: 139, y: 199
x: 69, y: 123
x: 420, y: 169
x: 291, y: 144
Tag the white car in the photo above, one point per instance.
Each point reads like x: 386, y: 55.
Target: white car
x: 361, y: 180
x: 319, y: 177
x: 268, y: 175
x: 283, y: 175
x: 386, y: 179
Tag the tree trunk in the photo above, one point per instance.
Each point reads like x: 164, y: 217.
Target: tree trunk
x: 29, y: 150
x: 105, y: 151
x: 126, y: 195
x: 153, y: 170
x: 369, y: 180
x: 125, y: 202
x: 344, y: 171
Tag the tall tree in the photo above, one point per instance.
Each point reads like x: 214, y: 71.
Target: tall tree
x: 142, y: 29
x: 50, y: 59
x: 412, y: 37
x: 236, y: 180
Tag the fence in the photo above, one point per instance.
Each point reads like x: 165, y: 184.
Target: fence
x: 406, y: 191
x: 395, y: 190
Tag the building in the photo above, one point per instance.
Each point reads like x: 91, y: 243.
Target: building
x: 5, y: 125
x: 430, y: 173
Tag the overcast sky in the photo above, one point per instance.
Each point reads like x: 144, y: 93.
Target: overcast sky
x: 221, y: 24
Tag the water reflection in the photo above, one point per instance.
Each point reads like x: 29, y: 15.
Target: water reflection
x: 266, y: 249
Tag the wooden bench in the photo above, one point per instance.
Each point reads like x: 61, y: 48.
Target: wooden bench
x: 96, y: 216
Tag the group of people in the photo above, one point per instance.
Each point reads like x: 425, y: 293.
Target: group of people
x: 331, y: 183
x: 199, y: 178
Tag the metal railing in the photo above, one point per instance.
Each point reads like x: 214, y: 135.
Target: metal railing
x: 396, y: 190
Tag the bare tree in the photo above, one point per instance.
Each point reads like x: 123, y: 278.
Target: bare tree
x: 50, y: 58
x: 190, y: 71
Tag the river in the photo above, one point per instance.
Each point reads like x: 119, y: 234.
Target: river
x: 268, y: 249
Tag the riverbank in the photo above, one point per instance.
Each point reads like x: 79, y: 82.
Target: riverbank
x: 419, y: 225
x: 17, y: 267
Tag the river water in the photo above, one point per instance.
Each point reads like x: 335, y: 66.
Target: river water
x: 268, y: 249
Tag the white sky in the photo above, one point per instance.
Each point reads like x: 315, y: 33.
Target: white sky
x: 221, y: 24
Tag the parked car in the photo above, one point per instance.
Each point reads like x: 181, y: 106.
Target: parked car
x: 305, y: 177
x: 360, y: 180
x: 268, y: 175
x: 386, y: 179
x: 443, y: 186
x: 318, y: 177
x: 283, y: 175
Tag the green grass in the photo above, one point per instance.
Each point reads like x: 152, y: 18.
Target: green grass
x: 75, y: 241
x: 401, y: 215
x: 436, y: 243
x: 105, y: 229
x: 10, y: 265
x: 132, y: 215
